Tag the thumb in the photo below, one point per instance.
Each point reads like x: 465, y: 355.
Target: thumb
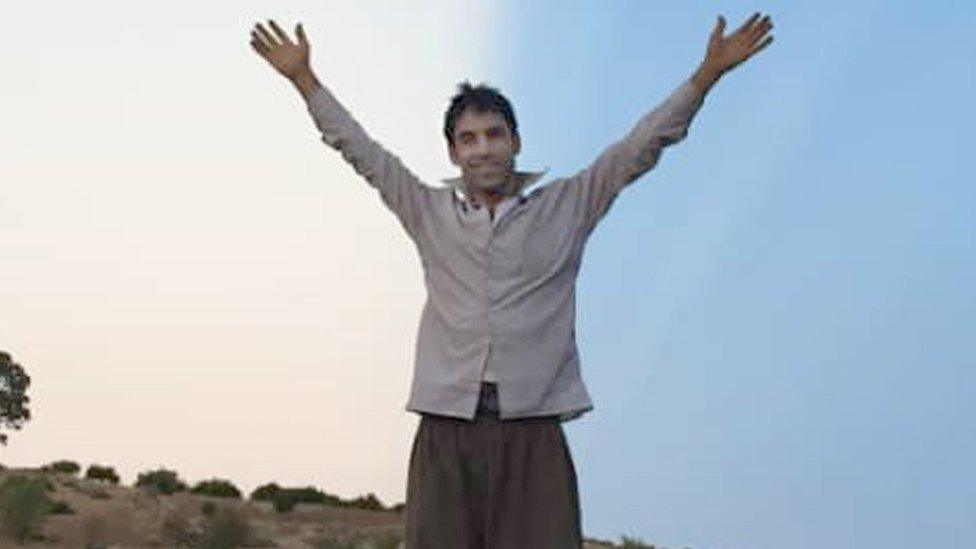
x: 719, y: 26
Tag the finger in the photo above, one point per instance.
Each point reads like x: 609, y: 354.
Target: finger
x: 266, y: 37
x: 757, y: 49
x: 760, y: 29
x: 719, y: 27
x: 300, y: 33
x: 281, y: 34
x: 747, y: 23
x: 260, y: 44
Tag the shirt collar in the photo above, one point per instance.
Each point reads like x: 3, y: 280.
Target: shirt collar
x: 521, y: 181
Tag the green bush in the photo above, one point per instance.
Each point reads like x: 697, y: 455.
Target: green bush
x: 369, y: 501
x: 217, y: 488
x: 62, y: 466
x: 162, y: 481
x: 48, y: 485
x: 635, y: 543
x: 284, y: 501
x: 265, y: 492
x: 24, y: 504
x: 225, y: 530
x: 309, y: 494
x: 99, y: 472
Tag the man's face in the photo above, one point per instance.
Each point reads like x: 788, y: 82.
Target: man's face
x: 484, y: 148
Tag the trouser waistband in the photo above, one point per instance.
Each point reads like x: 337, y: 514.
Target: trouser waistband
x: 487, y: 408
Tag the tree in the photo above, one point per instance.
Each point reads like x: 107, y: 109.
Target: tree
x: 163, y: 481
x: 102, y: 472
x: 217, y: 488
x: 13, y: 395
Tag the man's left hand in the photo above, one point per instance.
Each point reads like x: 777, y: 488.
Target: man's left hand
x: 725, y: 53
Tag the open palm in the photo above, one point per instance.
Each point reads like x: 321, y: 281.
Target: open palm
x: 287, y: 57
x: 725, y: 53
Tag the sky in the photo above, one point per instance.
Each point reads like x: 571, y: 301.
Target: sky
x: 774, y: 324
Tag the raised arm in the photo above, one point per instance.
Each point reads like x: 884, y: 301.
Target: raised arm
x: 597, y: 185
x: 399, y: 188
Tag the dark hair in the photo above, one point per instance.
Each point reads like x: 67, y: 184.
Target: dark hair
x: 482, y: 98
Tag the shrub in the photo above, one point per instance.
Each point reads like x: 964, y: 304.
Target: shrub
x: 369, y: 501
x: 60, y: 508
x: 162, y: 481
x: 399, y: 507
x: 284, y: 500
x: 309, y: 494
x: 634, y: 543
x: 265, y: 492
x: 216, y: 488
x: 62, y: 466
x: 225, y: 530
x: 99, y: 472
x: 47, y: 484
x: 23, y: 506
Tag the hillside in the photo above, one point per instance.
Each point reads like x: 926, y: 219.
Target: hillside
x: 108, y: 515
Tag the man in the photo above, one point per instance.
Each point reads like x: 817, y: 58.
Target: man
x: 496, y: 370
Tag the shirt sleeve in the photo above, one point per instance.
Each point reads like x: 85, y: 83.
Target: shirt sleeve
x: 401, y: 190
x: 594, y: 188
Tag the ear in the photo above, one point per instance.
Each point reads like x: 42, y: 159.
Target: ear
x: 452, y: 155
x: 516, y: 145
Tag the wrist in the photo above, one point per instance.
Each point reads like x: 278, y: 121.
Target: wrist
x: 706, y: 75
x: 305, y: 81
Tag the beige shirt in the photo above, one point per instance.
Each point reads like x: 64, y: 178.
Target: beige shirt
x: 501, y: 294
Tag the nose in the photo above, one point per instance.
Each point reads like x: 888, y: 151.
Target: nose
x: 481, y: 145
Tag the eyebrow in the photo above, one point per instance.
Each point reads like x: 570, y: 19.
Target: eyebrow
x: 495, y: 128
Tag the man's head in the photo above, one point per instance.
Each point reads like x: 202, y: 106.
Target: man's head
x: 482, y: 135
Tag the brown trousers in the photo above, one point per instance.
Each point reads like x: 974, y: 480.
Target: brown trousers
x: 491, y: 484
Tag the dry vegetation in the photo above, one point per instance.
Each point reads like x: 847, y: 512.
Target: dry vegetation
x: 87, y: 513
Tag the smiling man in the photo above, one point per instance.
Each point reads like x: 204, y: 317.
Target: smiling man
x: 496, y: 370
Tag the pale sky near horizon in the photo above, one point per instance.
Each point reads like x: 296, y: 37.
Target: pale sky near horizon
x: 774, y: 323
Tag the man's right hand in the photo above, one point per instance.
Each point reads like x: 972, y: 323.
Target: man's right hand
x: 288, y: 58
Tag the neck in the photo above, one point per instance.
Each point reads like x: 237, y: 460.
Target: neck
x: 488, y: 198
x: 492, y: 196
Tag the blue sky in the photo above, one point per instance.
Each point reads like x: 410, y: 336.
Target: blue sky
x: 774, y: 323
